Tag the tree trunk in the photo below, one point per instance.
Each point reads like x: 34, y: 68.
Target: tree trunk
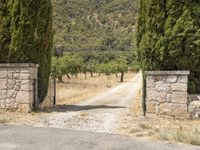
x: 60, y: 80
x: 68, y: 76
x: 76, y: 75
x: 91, y: 74
x: 116, y: 75
x: 122, y: 77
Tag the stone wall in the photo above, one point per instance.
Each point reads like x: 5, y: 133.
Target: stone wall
x: 166, y: 92
x: 17, y: 91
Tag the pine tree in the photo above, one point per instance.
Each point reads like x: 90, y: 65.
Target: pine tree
x: 168, y: 37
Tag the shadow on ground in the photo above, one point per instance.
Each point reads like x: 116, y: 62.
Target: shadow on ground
x: 65, y: 108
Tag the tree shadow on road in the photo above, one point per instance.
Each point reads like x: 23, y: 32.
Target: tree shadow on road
x: 66, y: 108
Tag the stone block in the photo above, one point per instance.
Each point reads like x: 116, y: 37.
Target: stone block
x: 150, y: 84
x: 24, y: 76
x: 18, y: 82
x: 171, y: 109
x: 161, y: 97
x: 25, y: 70
x: 182, y: 79
x: 10, y: 74
x: 2, y: 105
x: 11, y: 106
x: 3, y: 84
x: 23, y: 97
x: 3, y: 74
x: 151, y: 106
x: 162, y: 86
x: 10, y: 94
x: 28, y: 70
x: 25, y: 108
x: 169, y: 98
x: 16, y: 76
x: 17, y: 70
x: 11, y: 84
x: 171, y: 79
x: 151, y: 94
x: 160, y: 78
x: 179, y: 97
x: 180, y: 87
x: 26, y: 87
x: 3, y: 94
x: 17, y: 87
x: 11, y: 101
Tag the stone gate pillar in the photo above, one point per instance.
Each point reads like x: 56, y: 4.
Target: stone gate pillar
x: 18, y: 86
x: 166, y: 92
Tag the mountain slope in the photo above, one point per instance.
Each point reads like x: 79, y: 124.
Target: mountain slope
x: 93, y: 24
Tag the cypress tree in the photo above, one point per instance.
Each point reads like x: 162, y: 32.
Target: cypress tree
x: 29, y: 37
x: 4, y: 30
x: 168, y: 37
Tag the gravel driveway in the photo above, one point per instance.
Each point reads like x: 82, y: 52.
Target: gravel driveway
x: 98, y: 114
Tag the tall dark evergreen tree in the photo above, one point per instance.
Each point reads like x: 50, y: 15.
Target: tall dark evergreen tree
x: 4, y: 30
x: 26, y: 35
x: 168, y: 37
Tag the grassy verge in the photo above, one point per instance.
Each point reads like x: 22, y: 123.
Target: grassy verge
x: 159, y: 128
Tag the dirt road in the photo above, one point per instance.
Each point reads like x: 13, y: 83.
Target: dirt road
x: 98, y: 114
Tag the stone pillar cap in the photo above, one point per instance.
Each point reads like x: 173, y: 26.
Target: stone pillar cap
x: 177, y: 72
x: 20, y: 65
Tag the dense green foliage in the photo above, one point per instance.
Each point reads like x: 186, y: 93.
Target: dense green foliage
x: 67, y: 65
x: 72, y: 64
x: 82, y: 25
x: 5, y: 34
x: 26, y: 35
x: 168, y: 37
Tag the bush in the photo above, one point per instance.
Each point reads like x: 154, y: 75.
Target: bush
x: 168, y: 37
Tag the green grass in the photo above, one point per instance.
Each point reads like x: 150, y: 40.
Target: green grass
x: 4, y: 119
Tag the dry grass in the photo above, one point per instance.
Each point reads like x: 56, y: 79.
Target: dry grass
x: 159, y: 128
x: 79, y: 89
x: 18, y: 118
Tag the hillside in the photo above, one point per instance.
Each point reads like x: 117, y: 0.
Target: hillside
x: 93, y: 24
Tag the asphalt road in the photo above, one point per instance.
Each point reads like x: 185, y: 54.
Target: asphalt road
x: 30, y: 138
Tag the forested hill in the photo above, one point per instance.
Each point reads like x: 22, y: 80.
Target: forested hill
x: 93, y: 24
